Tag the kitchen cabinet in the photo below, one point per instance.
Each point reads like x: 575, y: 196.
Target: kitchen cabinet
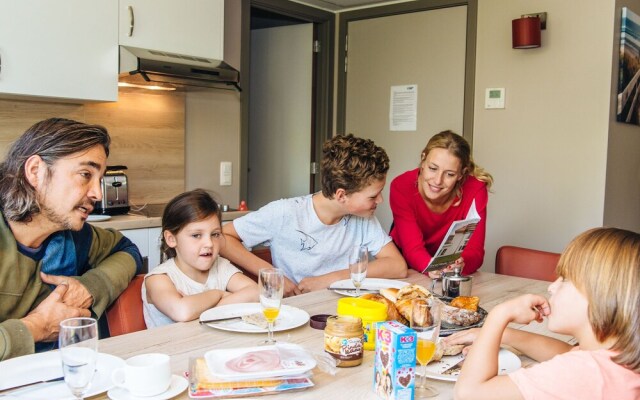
x: 148, y: 242
x: 171, y: 26
x: 65, y: 49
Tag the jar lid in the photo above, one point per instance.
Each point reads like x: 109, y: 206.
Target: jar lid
x: 455, y: 276
x: 363, y: 308
x: 318, y: 321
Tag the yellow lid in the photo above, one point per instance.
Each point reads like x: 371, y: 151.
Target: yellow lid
x: 365, y: 309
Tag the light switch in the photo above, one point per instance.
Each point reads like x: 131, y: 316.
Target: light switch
x: 494, y: 98
x: 226, y: 170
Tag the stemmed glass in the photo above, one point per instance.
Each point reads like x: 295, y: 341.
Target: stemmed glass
x: 358, y: 262
x: 425, y: 320
x: 78, y: 343
x: 271, y: 283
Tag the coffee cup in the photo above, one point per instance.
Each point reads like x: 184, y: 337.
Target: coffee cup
x: 144, y: 375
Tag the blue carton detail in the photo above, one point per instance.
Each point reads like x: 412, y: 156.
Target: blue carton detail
x: 395, y: 362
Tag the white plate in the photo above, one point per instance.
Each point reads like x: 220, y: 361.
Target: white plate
x: 289, y: 318
x: 294, y: 360
x: 368, y: 283
x: 178, y: 385
x: 98, y: 218
x: 507, y: 363
x: 21, y: 370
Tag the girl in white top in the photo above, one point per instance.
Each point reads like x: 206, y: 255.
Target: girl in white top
x: 194, y: 278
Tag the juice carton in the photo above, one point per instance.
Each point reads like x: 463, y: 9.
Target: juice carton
x: 394, y: 367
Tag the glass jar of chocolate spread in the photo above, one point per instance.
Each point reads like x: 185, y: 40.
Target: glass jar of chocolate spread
x: 344, y: 339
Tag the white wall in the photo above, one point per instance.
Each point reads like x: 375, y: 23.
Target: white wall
x: 547, y: 150
x: 212, y: 135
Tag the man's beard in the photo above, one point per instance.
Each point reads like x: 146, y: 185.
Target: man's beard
x: 57, y: 219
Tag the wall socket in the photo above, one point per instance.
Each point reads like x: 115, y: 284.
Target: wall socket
x: 226, y: 171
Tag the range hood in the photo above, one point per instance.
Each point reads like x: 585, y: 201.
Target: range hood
x: 145, y: 67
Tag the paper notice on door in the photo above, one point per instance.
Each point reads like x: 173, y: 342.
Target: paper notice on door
x: 403, y: 110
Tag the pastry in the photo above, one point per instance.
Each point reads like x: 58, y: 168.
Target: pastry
x: 466, y: 302
x: 390, y: 294
x: 412, y: 292
x: 392, y: 311
x: 256, y: 319
x: 459, y: 316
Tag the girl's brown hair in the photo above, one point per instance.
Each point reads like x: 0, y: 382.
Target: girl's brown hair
x: 184, y: 209
x: 604, y: 265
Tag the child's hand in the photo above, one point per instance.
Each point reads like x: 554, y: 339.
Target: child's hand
x: 466, y: 337
x: 524, y: 309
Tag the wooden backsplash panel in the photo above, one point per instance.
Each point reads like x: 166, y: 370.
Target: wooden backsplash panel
x: 147, y: 132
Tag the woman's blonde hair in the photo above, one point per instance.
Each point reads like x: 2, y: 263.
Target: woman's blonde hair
x: 604, y: 265
x: 459, y: 147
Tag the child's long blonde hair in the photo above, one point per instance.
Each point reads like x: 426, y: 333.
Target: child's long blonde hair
x: 604, y: 265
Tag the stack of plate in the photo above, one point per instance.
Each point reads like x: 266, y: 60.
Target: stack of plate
x: 252, y: 371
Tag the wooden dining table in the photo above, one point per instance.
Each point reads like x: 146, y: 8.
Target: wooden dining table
x: 185, y: 340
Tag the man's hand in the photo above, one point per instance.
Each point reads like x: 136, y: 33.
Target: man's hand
x: 290, y: 288
x: 44, y: 321
x: 76, y: 294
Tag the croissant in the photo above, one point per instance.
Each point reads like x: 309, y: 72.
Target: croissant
x: 392, y: 311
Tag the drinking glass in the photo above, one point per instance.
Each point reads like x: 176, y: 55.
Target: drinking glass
x: 358, y: 262
x: 78, y: 343
x: 271, y: 283
x: 425, y: 320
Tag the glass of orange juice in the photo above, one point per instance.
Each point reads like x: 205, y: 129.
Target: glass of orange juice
x: 271, y: 283
x: 425, y: 320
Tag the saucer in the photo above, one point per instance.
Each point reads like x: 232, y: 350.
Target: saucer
x: 178, y: 385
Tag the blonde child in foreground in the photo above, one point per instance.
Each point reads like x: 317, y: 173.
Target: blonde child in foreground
x: 194, y: 278
x: 596, y: 299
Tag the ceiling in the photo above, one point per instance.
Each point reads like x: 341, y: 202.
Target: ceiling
x: 342, y: 5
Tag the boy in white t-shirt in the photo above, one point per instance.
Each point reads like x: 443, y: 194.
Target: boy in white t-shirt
x: 310, y: 236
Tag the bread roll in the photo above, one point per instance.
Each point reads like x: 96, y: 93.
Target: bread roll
x: 392, y: 311
x: 390, y: 294
x: 466, y: 302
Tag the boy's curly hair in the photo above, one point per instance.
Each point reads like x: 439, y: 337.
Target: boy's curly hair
x: 351, y: 163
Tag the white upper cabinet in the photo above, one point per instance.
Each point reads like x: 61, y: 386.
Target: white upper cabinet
x: 181, y: 27
x: 63, y: 49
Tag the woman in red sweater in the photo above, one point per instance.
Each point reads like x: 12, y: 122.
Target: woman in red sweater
x: 425, y: 201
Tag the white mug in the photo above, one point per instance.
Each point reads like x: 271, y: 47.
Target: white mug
x: 144, y: 375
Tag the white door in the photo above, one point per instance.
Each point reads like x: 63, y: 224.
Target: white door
x: 424, y: 48
x: 280, y: 113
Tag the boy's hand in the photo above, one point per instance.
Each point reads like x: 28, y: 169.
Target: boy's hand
x: 290, y: 288
x: 313, y: 283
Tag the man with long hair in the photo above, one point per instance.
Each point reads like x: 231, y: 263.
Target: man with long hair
x: 53, y: 265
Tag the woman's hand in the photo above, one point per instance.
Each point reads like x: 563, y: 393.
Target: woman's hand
x: 438, y: 274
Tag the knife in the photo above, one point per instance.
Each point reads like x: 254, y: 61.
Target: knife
x: 362, y: 290
x: 454, y: 366
x: 10, y: 390
x: 222, y: 319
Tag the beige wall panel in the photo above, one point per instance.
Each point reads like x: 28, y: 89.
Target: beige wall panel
x: 425, y: 48
x: 148, y: 137
x: 17, y: 116
x: 213, y: 127
x: 622, y: 198
x: 547, y: 150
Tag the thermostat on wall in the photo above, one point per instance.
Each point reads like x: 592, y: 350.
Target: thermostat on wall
x: 494, y: 98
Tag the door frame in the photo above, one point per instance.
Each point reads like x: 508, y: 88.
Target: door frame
x: 403, y: 8
x: 322, y: 103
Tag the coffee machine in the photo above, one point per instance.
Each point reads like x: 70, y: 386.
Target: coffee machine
x: 115, y: 192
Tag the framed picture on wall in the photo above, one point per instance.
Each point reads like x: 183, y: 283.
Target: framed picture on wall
x: 629, y: 76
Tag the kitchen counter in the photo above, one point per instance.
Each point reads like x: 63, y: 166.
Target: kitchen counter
x: 149, y: 217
